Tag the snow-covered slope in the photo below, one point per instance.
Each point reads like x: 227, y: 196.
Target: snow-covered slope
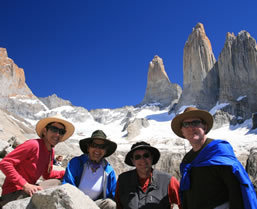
x: 158, y: 133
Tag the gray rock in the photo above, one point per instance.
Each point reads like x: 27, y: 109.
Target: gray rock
x: 159, y: 88
x: 133, y: 128
x: 251, y: 166
x: 21, y: 204
x: 61, y: 197
x: 198, y: 60
x: 221, y: 118
x: 254, y: 120
x: 3, y: 146
x: 54, y: 101
x: 13, y: 126
x: 237, y: 66
x: 107, y: 116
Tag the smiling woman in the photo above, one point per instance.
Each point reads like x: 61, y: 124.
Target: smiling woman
x: 88, y: 171
x: 96, y: 151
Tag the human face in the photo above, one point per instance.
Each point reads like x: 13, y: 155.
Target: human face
x: 52, y: 135
x: 142, y: 162
x: 195, y: 134
x: 96, y: 150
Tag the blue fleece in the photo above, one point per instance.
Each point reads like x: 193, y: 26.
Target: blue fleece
x: 220, y: 152
x: 74, y: 171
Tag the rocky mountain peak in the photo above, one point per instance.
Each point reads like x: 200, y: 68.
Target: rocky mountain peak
x: 198, y: 57
x: 198, y: 33
x: 198, y: 60
x: 237, y: 66
x: 12, y: 78
x: 156, y: 70
x: 54, y: 101
x: 159, y: 88
x: 3, y: 53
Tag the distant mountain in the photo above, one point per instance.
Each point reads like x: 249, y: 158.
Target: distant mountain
x: 226, y: 87
x: 230, y: 80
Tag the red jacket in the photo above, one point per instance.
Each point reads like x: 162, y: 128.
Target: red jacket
x: 26, y: 163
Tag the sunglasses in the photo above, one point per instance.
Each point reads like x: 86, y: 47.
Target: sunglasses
x: 54, y: 129
x: 194, y: 123
x: 100, y: 146
x: 145, y: 156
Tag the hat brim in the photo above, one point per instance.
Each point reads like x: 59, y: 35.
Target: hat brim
x: 43, y: 122
x: 202, y: 114
x: 154, y: 152
x: 111, y: 146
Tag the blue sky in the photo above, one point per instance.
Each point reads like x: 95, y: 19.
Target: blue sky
x: 96, y: 53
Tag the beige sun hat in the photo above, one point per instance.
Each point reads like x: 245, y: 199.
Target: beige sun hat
x: 191, y: 112
x: 43, y: 123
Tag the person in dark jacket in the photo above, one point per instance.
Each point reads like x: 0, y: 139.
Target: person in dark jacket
x: 145, y: 187
x: 91, y: 172
x: 212, y: 176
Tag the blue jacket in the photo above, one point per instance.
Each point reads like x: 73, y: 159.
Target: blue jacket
x: 220, y: 152
x: 74, y: 171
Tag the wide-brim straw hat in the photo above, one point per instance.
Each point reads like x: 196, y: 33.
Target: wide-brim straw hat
x: 141, y: 146
x: 98, y: 134
x: 191, y: 112
x: 55, y: 119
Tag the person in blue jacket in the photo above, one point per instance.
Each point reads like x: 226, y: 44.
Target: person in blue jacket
x: 91, y: 172
x: 211, y: 175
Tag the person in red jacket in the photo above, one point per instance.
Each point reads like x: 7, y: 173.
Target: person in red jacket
x: 32, y: 159
x: 145, y: 187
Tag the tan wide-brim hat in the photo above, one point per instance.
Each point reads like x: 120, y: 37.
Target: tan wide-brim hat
x: 191, y: 112
x: 98, y: 134
x: 55, y: 119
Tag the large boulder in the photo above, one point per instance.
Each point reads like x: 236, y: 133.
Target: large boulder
x: 133, y: 127
x: 61, y: 197
x: 251, y: 166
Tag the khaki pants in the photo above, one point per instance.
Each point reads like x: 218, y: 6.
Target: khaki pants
x: 20, y: 194
x: 105, y: 203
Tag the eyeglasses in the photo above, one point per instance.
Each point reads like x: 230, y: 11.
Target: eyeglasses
x: 145, y: 156
x: 54, y: 129
x: 194, y: 123
x: 100, y: 146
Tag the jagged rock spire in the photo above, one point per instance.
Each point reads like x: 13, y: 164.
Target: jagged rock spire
x: 159, y: 88
x: 198, y: 60
x: 198, y: 57
x: 12, y: 78
x: 237, y: 66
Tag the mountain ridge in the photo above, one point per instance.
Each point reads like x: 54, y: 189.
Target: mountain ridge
x: 203, y: 89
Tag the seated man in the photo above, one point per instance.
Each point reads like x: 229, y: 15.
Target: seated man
x: 145, y: 187
x: 32, y: 159
x: 91, y: 172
